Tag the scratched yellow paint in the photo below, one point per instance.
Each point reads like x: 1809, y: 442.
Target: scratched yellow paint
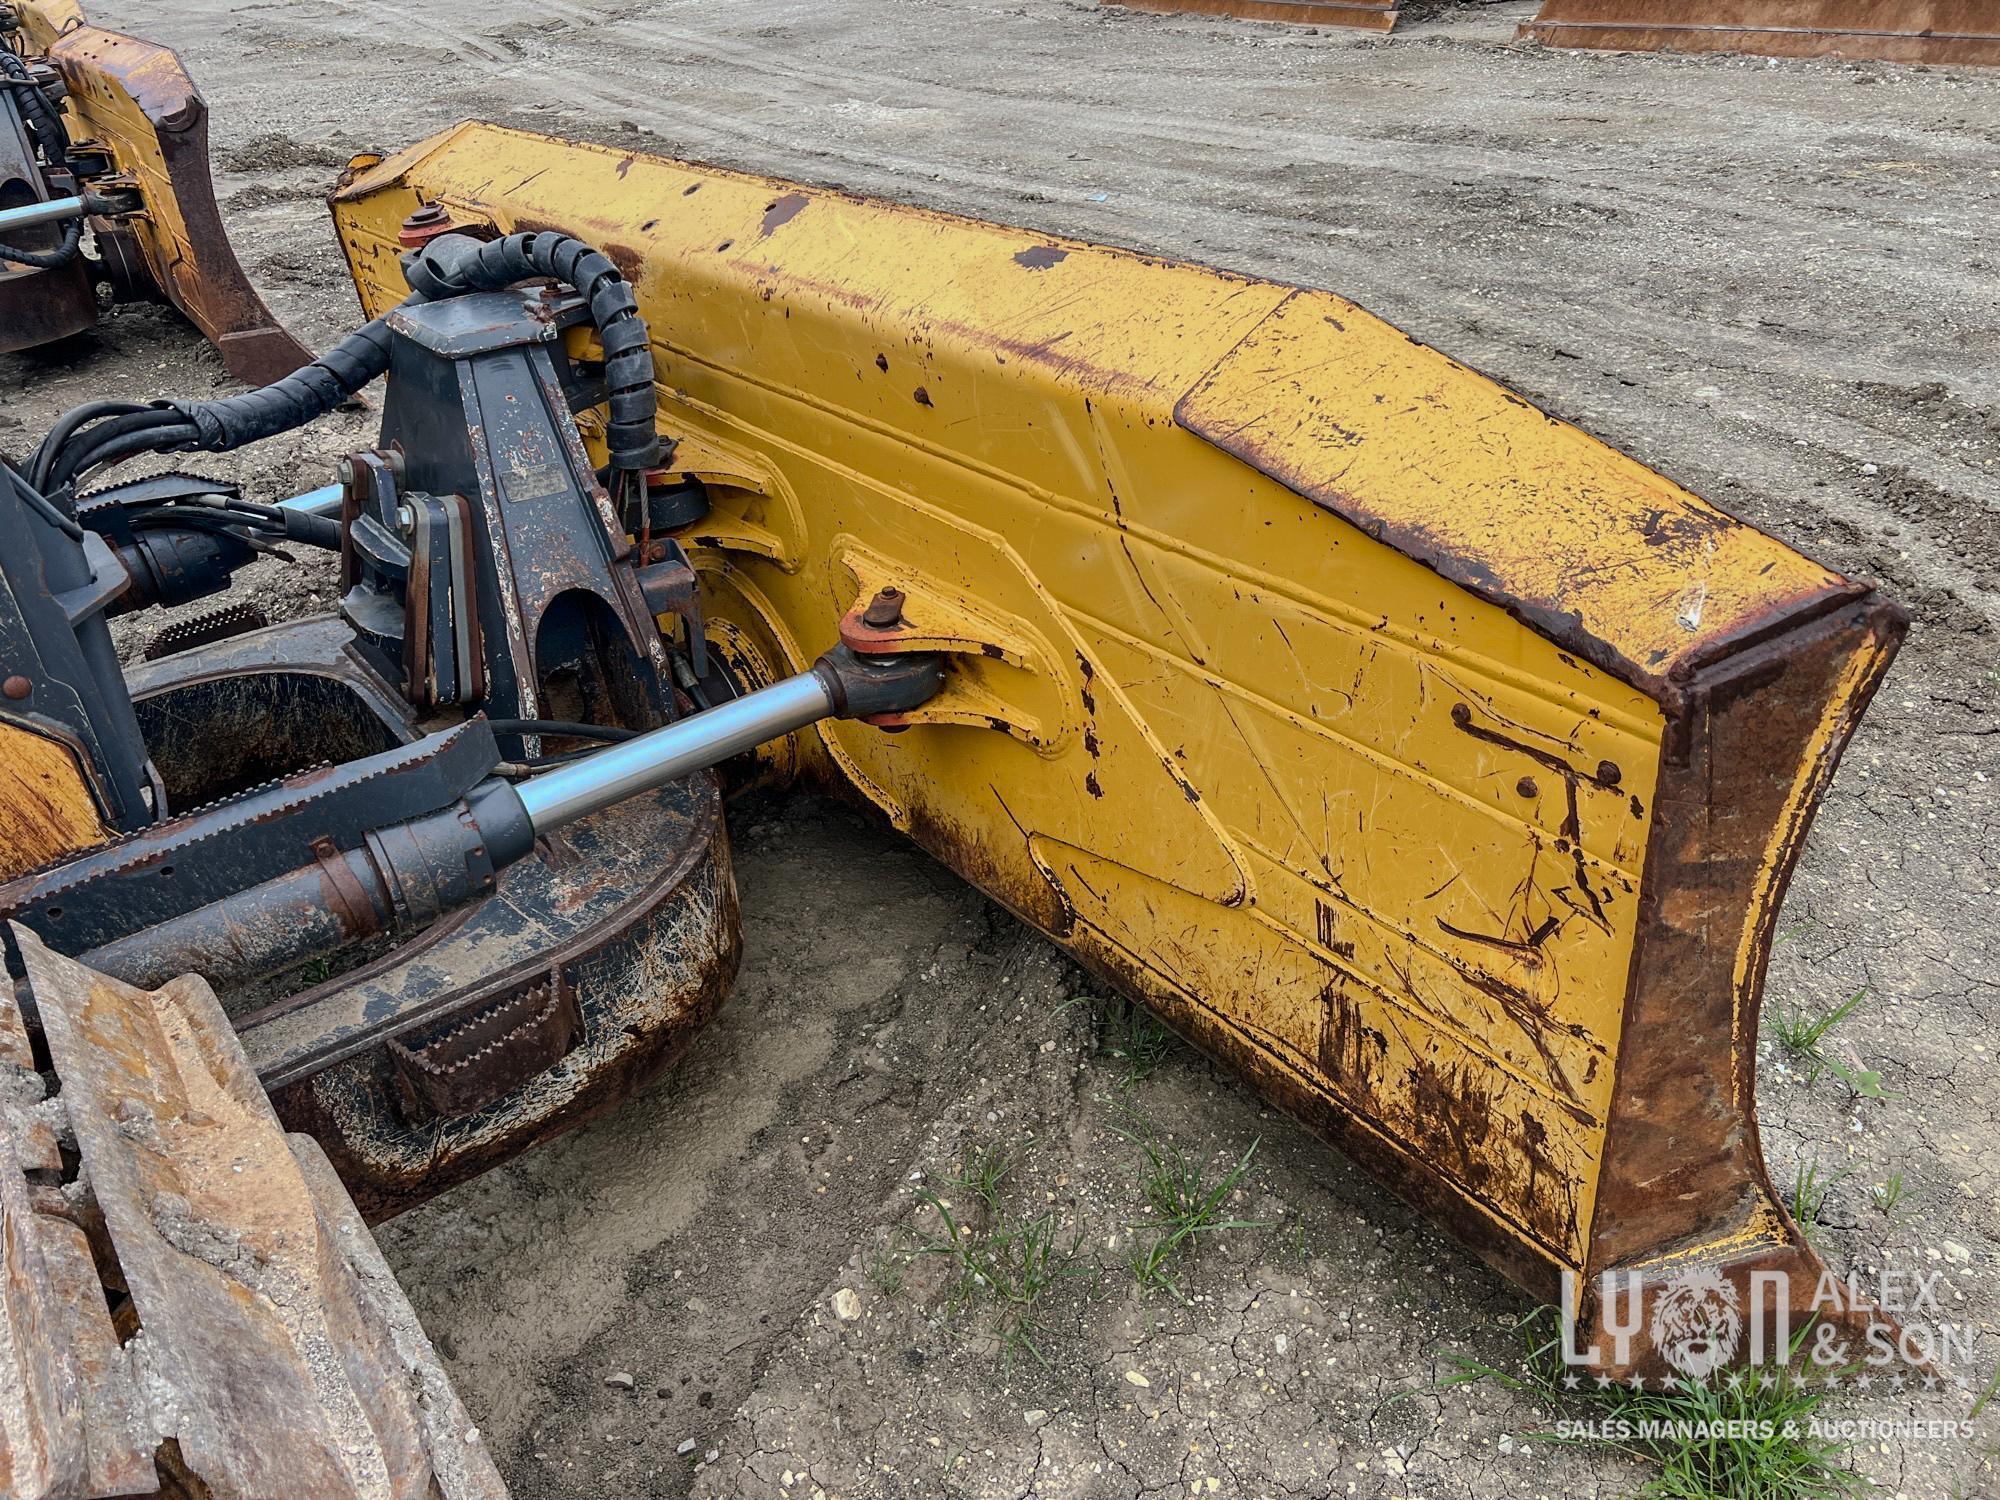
x: 1302, y: 778
x: 46, y: 808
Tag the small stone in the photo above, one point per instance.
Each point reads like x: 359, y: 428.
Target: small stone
x: 1133, y: 1377
x: 1870, y: 469
x: 846, y: 1305
x: 622, y: 1381
x: 1049, y: 1046
x: 686, y: 1445
x: 711, y: 1456
x: 1032, y: 1417
x: 1956, y: 1253
x: 788, y: 1479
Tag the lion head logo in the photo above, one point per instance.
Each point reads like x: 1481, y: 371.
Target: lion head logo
x: 1697, y: 1322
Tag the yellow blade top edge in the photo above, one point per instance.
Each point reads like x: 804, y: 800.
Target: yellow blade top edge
x: 1415, y: 449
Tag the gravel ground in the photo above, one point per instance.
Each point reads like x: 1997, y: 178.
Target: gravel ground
x: 1774, y: 281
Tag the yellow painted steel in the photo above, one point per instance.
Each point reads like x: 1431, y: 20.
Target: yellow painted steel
x: 47, y: 810
x: 1326, y: 682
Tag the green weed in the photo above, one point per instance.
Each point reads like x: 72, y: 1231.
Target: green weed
x: 1809, y: 1192
x: 1801, y: 1035
x: 1778, y: 1459
x: 1889, y: 1194
x: 1001, y: 1263
x: 1128, y: 1034
x: 1184, y: 1204
x: 1985, y: 1396
x: 1863, y: 1083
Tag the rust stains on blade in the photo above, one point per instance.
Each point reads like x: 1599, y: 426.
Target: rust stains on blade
x: 1684, y: 1178
x: 1589, y: 549
x: 1429, y: 713
x: 137, y: 98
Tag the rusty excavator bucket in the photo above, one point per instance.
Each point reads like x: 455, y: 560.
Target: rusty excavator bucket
x: 1942, y: 32
x: 1356, y: 15
x: 117, y: 128
x: 190, y: 1304
x: 1426, y: 760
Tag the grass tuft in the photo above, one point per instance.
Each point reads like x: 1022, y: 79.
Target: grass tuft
x: 1889, y: 1194
x: 1184, y: 1204
x: 1779, y: 1459
x: 1801, y: 1035
x: 1809, y: 1192
x: 1128, y: 1034
x: 1001, y: 1263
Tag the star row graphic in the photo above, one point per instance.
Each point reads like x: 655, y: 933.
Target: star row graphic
x: 1764, y: 1379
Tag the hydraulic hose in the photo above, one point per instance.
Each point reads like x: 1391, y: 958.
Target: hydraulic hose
x: 45, y: 124
x: 303, y: 396
x: 454, y: 263
x: 448, y: 266
x: 43, y: 119
x: 48, y: 260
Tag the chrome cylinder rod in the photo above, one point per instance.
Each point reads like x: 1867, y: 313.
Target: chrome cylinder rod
x: 324, y: 501
x: 40, y: 213
x: 616, y: 772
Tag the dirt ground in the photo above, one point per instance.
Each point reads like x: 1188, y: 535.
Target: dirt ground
x: 1777, y: 282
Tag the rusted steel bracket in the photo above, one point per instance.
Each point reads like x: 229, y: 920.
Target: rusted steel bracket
x: 1940, y: 32
x: 255, y: 1343
x: 891, y: 619
x: 1360, y: 15
x: 466, y: 1063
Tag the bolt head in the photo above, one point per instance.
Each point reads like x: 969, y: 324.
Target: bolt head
x: 884, y: 610
x: 17, y: 687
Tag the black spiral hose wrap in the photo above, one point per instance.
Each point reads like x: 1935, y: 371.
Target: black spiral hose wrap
x: 45, y: 124
x: 42, y: 117
x: 448, y: 266
x: 49, y: 260
x: 452, y: 264
x: 303, y: 396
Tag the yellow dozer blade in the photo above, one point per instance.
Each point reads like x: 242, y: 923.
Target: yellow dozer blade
x: 139, y: 128
x: 1433, y: 764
